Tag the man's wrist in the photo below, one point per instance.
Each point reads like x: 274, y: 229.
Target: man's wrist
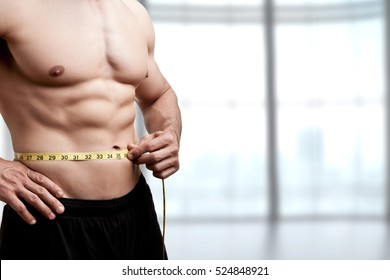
x: 175, y: 134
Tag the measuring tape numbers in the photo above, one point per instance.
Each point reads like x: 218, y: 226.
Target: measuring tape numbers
x: 64, y: 156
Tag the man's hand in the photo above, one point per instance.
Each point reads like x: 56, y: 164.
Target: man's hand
x: 18, y: 182
x: 159, y: 152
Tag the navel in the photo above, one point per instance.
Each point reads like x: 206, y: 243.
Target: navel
x: 57, y: 71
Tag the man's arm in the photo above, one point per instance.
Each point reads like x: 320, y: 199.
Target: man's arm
x: 158, y: 102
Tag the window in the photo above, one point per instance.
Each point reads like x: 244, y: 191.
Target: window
x: 331, y: 114
x: 329, y: 110
x: 214, y: 61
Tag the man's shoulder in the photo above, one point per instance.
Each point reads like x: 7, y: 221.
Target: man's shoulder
x: 137, y: 9
x: 142, y: 16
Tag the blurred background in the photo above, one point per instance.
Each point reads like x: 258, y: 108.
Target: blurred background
x: 284, y: 151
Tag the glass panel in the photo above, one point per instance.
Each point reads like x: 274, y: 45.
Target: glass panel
x: 332, y: 159
x: 331, y: 126
x: 211, y: 64
x: 223, y: 170
x: 339, y: 61
x: 216, y: 70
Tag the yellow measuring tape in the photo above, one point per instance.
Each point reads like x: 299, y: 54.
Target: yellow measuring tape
x: 61, y: 156
x: 80, y: 156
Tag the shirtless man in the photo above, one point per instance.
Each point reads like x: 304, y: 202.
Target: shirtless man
x: 70, y: 72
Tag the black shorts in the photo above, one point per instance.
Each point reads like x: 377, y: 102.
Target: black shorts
x: 121, y: 228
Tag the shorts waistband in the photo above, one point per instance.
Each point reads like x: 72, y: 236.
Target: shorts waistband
x: 82, y: 207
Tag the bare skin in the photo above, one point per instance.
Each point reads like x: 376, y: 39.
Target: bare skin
x: 70, y: 73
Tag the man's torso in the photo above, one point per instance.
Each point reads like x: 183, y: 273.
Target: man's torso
x: 68, y: 74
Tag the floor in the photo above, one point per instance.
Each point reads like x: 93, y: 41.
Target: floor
x: 288, y: 240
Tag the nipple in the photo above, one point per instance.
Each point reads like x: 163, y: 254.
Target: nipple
x: 57, y: 71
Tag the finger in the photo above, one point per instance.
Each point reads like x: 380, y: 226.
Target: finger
x: 135, y: 151
x: 46, y: 190
x: 35, y: 201
x: 164, y: 168
x: 152, y: 158
x: 147, y: 145
x: 131, y: 154
x: 45, y: 182
x: 49, y: 203
x: 163, y: 165
x: 22, y: 211
x: 131, y: 146
x: 165, y: 173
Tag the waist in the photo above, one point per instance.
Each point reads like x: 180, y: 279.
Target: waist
x: 101, y: 208
x: 89, y: 179
x: 83, y: 207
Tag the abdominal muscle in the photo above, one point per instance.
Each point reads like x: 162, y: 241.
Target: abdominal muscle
x: 99, y: 120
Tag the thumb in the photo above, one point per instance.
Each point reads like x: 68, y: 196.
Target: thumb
x: 130, y: 155
x: 131, y: 146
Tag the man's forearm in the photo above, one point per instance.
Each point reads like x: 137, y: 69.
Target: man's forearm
x: 159, y: 150
x: 164, y: 115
